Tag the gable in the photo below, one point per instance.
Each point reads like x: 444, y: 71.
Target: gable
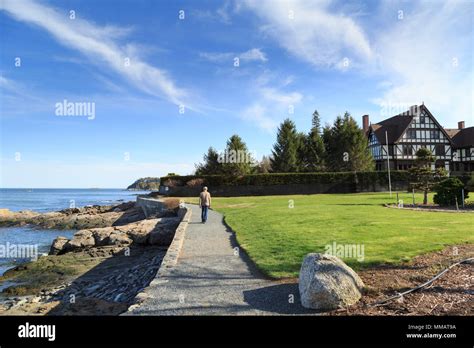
x: 424, y: 129
x: 416, y: 124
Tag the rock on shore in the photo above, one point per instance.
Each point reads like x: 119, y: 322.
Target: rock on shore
x: 113, y: 256
x: 75, y: 218
x: 158, y: 231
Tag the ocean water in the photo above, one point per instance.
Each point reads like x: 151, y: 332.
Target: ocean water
x: 33, y: 240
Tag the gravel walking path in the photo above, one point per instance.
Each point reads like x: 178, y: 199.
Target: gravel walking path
x: 214, y: 277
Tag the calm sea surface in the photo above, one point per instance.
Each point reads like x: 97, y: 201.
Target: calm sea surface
x: 44, y: 200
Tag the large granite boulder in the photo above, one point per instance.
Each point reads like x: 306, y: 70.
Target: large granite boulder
x: 101, y: 235
x: 119, y: 238
x: 58, y: 245
x: 82, y: 239
x: 327, y: 283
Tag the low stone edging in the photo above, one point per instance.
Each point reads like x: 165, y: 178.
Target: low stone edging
x: 172, y: 254
x: 170, y: 259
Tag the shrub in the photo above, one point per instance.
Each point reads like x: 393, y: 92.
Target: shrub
x: 198, y: 182
x: 173, y: 183
x: 362, y: 179
x: 447, y: 191
x: 171, y: 203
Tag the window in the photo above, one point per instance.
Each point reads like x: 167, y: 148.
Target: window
x: 439, y: 150
x: 407, y: 150
x: 411, y: 134
x: 434, y: 134
x: 422, y: 119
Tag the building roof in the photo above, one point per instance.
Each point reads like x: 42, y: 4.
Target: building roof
x: 464, y: 137
x: 394, y: 126
x: 397, y: 125
x: 451, y: 131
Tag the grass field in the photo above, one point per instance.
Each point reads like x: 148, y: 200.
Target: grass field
x: 278, y: 231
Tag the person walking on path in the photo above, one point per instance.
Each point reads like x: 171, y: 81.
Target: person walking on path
x: 204, y: 203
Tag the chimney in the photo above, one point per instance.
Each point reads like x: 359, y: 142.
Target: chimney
x: 413, y: 110
x: 365, y: 123
x: 460, y: 124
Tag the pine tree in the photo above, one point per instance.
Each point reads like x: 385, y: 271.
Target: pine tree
x: 302, y: 152
x: 285, y: 150
x: 314, y: 152
x: 310, y: 146
x: 422, y: 176
x: 316, y: 123
x: 237, y: 160
x: 346, y: 146
x: 211, y: 165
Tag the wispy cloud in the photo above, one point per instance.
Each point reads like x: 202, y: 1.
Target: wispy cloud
x: 427, y: 56
x: 309, y: 31
x: 254, y: 54
x: 259, y: 114
x: 222, y: 14
x: 273, y: 101
x: 101, y: 44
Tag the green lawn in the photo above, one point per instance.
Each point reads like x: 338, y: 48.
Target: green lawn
x: 277, y: 237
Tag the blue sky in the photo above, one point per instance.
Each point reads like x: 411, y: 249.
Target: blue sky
x: 139, y: 63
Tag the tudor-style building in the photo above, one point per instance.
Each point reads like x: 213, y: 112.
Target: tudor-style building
x: 463, y: 148
x: 416, y: 128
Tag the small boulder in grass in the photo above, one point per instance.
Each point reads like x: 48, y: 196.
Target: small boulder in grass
x: 327, y: 283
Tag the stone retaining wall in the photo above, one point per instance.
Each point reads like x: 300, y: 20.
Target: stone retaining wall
x: 170, y: 259
x: 149, y: 205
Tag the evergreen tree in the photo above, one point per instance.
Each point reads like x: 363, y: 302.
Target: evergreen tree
x: 422, y: 176
x: 314, y: 152
x: 346, y: 146
x: 311, y: 147
x: 302, y: 152
x: 285, y: 150
x: 211, y: 165
x: 236, y: 159
x: 316, y: 123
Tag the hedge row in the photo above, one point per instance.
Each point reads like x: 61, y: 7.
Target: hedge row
x: 359, y: 178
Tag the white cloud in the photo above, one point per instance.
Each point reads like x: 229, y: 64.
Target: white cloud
x: 272, y: 94
x: 258, y: 114
x: 100, y: 44
x: 274, y: 103
x: 217, y: 57
x: 309, y: 31
x: 254, y: 54
x: 427, y: 56
x: 221, y: 14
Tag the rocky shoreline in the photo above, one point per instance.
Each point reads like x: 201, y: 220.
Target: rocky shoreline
x: 111, y: 258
